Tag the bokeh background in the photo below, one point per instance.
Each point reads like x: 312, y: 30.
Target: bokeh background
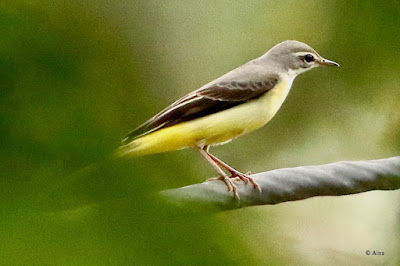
x: 77, y: 75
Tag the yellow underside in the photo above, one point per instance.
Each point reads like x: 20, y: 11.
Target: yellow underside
x: 212, y: 129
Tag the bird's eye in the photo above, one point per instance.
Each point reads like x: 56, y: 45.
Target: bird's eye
x: 309, y: 58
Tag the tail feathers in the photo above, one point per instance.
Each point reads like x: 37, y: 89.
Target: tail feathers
x: 141, y: 131
x: 163, y: 140
x: 127, y: 149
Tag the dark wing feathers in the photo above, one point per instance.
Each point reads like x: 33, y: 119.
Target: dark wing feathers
x: 236, y: 91
x: 205, y: 101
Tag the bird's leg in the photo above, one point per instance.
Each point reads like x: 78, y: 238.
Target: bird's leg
x: 234, y: 173
x: 223, y: 177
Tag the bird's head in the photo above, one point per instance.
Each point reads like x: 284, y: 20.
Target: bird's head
x: 296, y: 57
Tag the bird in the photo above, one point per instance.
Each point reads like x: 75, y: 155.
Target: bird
x: 240, y: 101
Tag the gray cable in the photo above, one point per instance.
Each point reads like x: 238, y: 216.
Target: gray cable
x: 289, y: 184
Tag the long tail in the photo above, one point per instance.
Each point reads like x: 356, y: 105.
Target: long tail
x: 167, y: 139
x: 131, y: 149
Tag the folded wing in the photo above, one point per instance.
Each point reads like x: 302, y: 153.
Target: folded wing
x: 205, y: 101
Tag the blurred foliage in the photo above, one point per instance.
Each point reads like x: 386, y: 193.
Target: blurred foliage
x: 75, y: 76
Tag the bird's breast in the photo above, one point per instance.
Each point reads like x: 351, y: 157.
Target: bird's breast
x: 265, y: 107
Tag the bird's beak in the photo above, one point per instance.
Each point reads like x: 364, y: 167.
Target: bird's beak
x: 326, y: 62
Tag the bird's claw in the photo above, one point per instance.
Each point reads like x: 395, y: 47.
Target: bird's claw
x: 229, y: 183
x: 231, y: 186
x: 215, y: 178
x: 246, y: 178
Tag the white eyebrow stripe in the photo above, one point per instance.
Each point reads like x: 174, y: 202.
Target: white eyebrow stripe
x: 306, y: 53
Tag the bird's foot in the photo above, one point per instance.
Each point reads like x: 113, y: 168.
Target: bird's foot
x: 229, y: 183
x: 246, y: 178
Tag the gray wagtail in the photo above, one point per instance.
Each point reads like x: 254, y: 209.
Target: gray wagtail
x: 237, y: 103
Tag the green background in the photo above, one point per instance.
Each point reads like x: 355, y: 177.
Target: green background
x: 76, y: 76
